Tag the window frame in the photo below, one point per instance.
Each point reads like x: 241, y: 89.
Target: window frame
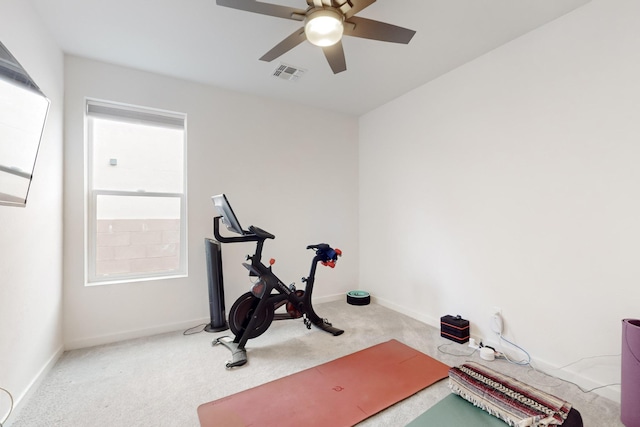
x: 132, y: 114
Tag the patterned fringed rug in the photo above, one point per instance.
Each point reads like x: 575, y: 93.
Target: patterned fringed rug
x: 513, y: 401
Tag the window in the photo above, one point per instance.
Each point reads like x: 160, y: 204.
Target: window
x: 136, y: 178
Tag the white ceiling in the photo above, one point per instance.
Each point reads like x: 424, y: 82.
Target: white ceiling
x: 199, y: 41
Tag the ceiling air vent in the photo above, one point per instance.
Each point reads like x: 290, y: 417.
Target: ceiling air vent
x: 288, y: 72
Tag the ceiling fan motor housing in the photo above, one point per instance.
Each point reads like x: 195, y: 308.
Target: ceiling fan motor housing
x: 343, y: 5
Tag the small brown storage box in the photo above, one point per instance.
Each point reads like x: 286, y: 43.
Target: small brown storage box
x: 454, y: 328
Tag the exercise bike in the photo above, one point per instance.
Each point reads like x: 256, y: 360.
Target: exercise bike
x: 252, y: 313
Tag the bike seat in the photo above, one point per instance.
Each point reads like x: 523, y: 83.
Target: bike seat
x: 261, y: 233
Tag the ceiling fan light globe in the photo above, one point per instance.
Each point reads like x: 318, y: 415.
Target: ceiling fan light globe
x: 324, y: 28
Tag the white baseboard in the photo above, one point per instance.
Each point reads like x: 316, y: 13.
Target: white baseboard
x: 160, y: 329
x: 403, y: 310
x: 329, y: 298
x: 131, y: 334
x: 20, y: 400
x: 611, y: 392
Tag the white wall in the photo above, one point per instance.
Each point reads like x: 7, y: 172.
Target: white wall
x: 31, y: 248
x: 513, y: 182
x: 288, y: 169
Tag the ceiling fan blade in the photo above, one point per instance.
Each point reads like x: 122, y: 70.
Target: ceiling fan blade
x: 285, y: 45
x: 358, y: 5
x: 264, y: 8
x: 376, y: 30
x: 335, y: 57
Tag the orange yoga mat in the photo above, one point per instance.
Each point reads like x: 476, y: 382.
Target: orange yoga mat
x: 342, y: 392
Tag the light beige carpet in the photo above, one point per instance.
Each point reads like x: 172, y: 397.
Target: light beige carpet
x: 161, y: 380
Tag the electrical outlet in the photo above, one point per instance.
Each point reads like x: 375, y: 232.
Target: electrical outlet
x: 496, y: 320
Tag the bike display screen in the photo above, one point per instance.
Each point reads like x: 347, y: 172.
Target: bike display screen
x: 228, y: 216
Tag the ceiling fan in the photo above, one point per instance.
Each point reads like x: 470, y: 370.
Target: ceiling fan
x: 325, y: 22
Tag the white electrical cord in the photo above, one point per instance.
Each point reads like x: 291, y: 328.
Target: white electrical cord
x: 521, y: 362
x: 561, y: 380
x: 440, y: 349
x: 497, y: 326
x: 10, y: 407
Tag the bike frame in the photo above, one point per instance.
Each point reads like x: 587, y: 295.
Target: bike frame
x: 268, y: 283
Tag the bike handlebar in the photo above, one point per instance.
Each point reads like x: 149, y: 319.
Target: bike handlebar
x: 254, y: 234
x: 326, y: 254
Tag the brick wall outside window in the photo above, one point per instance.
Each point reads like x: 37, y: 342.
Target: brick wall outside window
x: 137, y: 246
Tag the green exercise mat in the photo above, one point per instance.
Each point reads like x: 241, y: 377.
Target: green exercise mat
x: 454, y: 411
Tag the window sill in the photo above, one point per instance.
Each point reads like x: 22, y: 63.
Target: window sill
x: 120, y: 281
